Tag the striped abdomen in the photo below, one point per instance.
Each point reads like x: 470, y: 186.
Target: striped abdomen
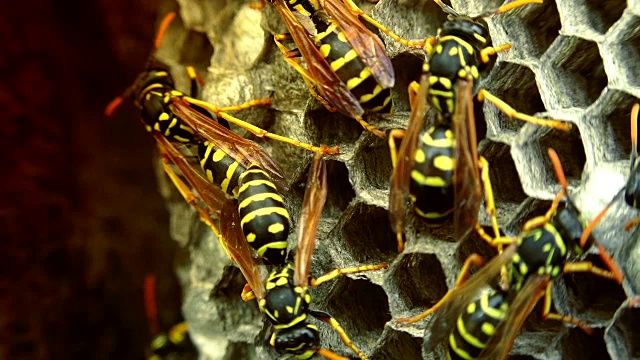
x: 476, y: 325
x: 346, y: 63
x: 263, y: 217
x: 220, y: 168
x: 154, y: 102
x: 453, y: 58
x: 431, y: 188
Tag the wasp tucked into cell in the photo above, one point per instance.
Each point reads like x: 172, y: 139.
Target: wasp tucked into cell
x: 343, y: 63
x: 284, y: 296
x: 480, y: 320
x: 439, y: 169
x: 632, y: 188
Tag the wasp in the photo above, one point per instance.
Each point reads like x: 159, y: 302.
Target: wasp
x: 438, y: 169
x: 284, y: 296
x: 165, y: 345
x: 239, y: 167
x: 487, y: 317
x: 345, y: 65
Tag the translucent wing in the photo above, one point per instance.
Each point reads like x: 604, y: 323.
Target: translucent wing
x: 326, y: 80
x: 467, y: 185
x: 240, y: 149
x: 445, y: 318
x: 314, y: 199
x: 500, y: 343
x: 367, y: 45
x: 399, y: 183
x: 217, y: 202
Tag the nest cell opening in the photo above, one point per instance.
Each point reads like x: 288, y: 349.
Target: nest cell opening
x: 329, y: 128
x: 361, y: 307
x: 516, y: 85
x: 628, y: 51
x: 625, y: 333
x: 584, y: 346
x: 601, y: 14
x: 474, y: 244
x: 419, y: 280
x: 367, y: 234
x: 375, y: 165
x: 570, y: 149
x: 399, y: 342
x: 502, y: 173
x: 579, y: 70
x: 532, y: 28
x: 411, y: 66
x: 617, y: 119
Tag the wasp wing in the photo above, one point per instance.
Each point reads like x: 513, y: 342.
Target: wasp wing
x: 445, y: 318
x: 326, y: 80
x: 240, y: 149
x: 314, y: 199
x: 500, y: 343
x: 368, y: 46
x: 217, y: 202
x: 400, y: 178
x: 467, y: 182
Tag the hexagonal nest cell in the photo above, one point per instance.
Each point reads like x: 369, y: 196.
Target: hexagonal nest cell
x: 545, y: 73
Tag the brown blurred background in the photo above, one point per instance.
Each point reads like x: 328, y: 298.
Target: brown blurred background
x: 81, y: 220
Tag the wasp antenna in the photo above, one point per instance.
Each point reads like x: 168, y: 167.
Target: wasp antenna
x: 113, y: 105
x: 592, y: 224
x: 164, y: 25
x: 446, y: 8
x: 618, y: 275
x: 150, y: 306
x: 634, y: 130
x: 557, y: 166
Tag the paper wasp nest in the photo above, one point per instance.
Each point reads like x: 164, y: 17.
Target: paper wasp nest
x: 575, y: 60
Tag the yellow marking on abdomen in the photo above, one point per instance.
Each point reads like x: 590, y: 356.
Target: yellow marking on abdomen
x: 468, y: 337
x: 353, y: 82
x: 319, y: 36
x: 259, y: 197
x: 339, y: 63
x: 492, y: 312
x: 262, y: 212
x: 364, y: 98
x: 325, y: 49
x: 444, y: 163
x: 281, y: 245
x: 230, y: 171
x: 246, y: 185
x: 433, y: 181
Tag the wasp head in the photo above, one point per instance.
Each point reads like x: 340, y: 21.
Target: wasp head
x: 466, y: 28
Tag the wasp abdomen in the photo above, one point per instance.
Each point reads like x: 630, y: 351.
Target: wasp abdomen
x: 220, y: 168
x: 477, y: 324
x: 345, y: 61
x: 431, y: 186
x: 264, y: 219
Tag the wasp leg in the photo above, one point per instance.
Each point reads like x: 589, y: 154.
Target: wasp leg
x: 492, y: 50
x: 632, y: 223
x: 512, y: 113
x: 247, y: 293
x: 547, y: 314
x: 323, y: 316
x: 358, y: 12
x: 539, y: 221
x: 394, y: 135
x: 258, y: 131
x: 337, y: 272
x: 473, y: 259
x: 178, y: 332
x: 289, y: 57
x: 497, y: 241
x: 515, y: 4
x: 587, y: 266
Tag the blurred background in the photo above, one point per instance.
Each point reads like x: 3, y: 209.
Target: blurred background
x: 81, y: 220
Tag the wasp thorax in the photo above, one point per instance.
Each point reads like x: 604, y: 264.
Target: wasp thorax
x: 467, y: 29
x: 571, y: 227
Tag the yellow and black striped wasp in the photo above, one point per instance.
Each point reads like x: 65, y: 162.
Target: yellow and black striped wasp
x: 479, y: 320
x: 345, y: 64
x: 154, y: 93
x: 284, y: 296
x: 236, y: 166
x: 438, y: 169
x: 174, y: 344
